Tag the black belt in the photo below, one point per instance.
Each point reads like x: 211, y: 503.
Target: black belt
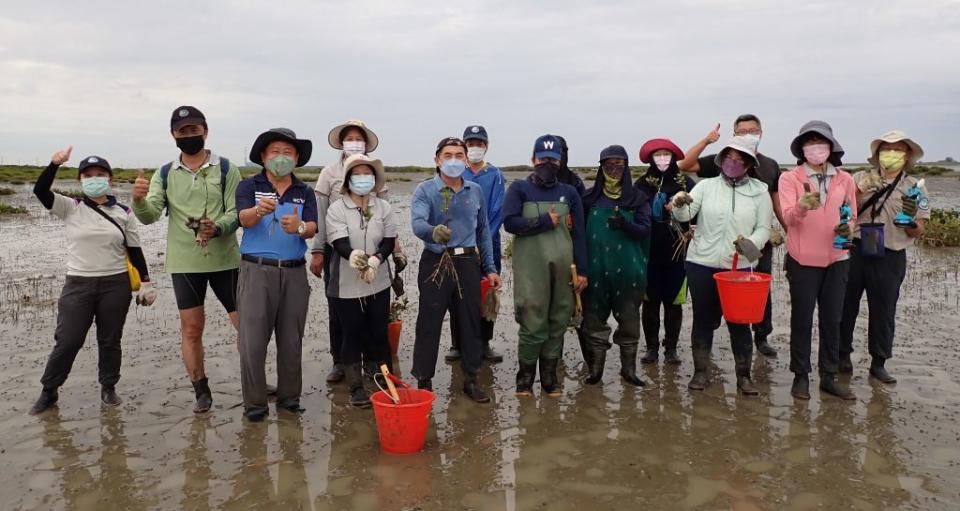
x: 460, y: 250
x: 289, y: 263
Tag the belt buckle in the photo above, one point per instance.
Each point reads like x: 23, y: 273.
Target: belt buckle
x: 459, y: 251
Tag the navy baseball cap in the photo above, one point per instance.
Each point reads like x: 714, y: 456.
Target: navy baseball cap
x: 186, y: 115
x: 547, y: 146
x: 450, y: 141
x: 94, y: 161
x: 475, y: 132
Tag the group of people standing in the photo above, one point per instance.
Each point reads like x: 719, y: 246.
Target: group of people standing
x: 631, y: 249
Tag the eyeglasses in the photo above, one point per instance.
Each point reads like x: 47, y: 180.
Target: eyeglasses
x: 746, y: 132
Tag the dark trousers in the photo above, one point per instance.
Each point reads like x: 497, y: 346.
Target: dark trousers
x: 821, y: 288
x: 84, y: 300
x: 765, y: 328
x: 436, y: 297
x: 364, y: 323
x: 881, y: 278
x: 707, y: 314
x: 672, y: 320
x: 486, y: 331
x: 330, y: 257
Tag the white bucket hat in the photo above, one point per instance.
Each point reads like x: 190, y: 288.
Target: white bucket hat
x: 893, y: 136
x: 747, y: 146
x: 334, y: 137
x: 380, y: 175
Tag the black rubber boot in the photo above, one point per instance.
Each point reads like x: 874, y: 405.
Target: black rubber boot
x: 763, y: 347
x: 628, y: 366
x: 453, y: 355
x: 201, y: 389
x: 744, y: 383
x: 490, y: 355
x: 879, y: 372
x: 700, y: 380
x: 472, y: 390
x: 48, y: 399
x: 801, y: 386
x: 359, y: 396
x: 846, y: 365
x: 585, y: 350
x: 650, y: 356
x: 548, y: 377
x: 829, y: 384
x: 108, y: 396
x: 670, y: 351
x: 525, y: 377
x: 370, y: 369
x: 598, y: 359
x: 336, y: 374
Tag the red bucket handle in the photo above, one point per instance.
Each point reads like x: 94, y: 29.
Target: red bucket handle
x: 736, y: 257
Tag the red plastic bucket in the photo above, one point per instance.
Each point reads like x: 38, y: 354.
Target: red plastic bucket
x: 484, y: 288
x: 743, y: 294
x: 403, y: 427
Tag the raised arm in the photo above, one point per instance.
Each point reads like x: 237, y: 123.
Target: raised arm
x: 690, y: 162
x: 149, y: 197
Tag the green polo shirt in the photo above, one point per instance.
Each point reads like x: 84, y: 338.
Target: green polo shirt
x: 188, y: 193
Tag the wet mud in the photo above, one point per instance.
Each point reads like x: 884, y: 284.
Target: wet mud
x: 663, y: 447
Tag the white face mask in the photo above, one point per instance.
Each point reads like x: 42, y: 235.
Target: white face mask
x: 662, y: 161
x: 352, y: 147
x: 476, y: 154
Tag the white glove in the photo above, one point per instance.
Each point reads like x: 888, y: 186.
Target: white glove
x: 373, y: 262
x: 870, y: 182
x: 358, y: 259
x: 368, y: 275
x: 147, y: 294
x: 681, y: 199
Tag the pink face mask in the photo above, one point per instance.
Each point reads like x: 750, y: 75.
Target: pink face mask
x: 816, y: 153
x: 662, y: 161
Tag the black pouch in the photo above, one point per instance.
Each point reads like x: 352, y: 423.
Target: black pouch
x: 871, y: 240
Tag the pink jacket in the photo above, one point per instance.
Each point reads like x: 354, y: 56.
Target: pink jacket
x: 810, y: 233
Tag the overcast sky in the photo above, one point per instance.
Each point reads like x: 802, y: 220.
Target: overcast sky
x: 105, y: 76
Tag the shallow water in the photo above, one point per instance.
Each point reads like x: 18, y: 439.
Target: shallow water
x: 660, y: 448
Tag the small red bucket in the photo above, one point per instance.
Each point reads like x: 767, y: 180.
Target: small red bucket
x: 743, y: 294
x: 394, y: 330
x: 402, y: 427
x: 484, y: 288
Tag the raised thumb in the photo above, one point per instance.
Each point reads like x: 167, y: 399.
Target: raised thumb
x: 140, y: 174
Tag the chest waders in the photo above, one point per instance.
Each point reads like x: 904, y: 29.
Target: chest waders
x: 617, y: 272
x: 542, y: 295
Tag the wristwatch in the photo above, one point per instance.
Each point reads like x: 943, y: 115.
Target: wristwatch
x: 302, y: 228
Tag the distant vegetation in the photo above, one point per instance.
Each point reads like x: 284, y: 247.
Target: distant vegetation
x: 6, y: 209
x: 942, y: 229
x: 73, y: 194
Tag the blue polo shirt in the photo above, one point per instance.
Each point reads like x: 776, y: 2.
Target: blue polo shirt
x: 494, y: 189
x: 267, y: 238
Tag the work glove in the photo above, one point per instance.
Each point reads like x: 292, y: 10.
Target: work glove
x: 681, y: 199
x: 442, y: 234
x: 368, y: 275
x: 869, y: 182
x: 909, y: 206
x: 358, y: 259
x: 776, y: 236
x: 397, y: 285
x: 810, y: 199
x: 490, y: 307
x: 843, y: 230
x: 615, y: 222
x: 147, y: 294
x: 747, y: 248
x: 399, y: 262
x: 373, y: 262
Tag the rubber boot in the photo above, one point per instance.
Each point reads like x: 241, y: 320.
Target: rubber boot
x: 453, y: 355
x: 670, y: 351
x: 490, y: 355
x: 472, y: 390
x: 763, y: 347
x: 700, y: 380
x: 359, y: 397
x: 525, y: 377
x: 653, y: 352
x: 846, y: 365
x: 801, y: 386
x: 830, y: 385
x: 628, y: 366
x: 548, y: 377
x: 742, y: 368
x: 879, y: 372
x: 48, y: 399
x: 336, y: 374
x: 426, y: 384
x: 598, y: 359
x: 585, y: 349
x: 108, y: 396
x: 201, y: 389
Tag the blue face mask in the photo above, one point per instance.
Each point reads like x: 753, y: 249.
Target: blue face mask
x: 95, y: 186
x: 453, y: 168
x: 362, y: 184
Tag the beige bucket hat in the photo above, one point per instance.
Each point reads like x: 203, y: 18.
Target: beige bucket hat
x: 380, y: 175
x: 742, y: 144
x: 893, y: 136
x: 334, y: 137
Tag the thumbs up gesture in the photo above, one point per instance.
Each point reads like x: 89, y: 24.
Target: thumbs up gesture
x: 713, y: 136
x: 140, y: 187
x: 62, y: 156
x: 290, y: 223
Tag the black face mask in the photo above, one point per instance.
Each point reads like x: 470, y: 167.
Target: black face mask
x: 191, y: 145
x: 545, y: 174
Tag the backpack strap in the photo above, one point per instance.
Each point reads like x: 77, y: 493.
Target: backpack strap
x: 164, y: 173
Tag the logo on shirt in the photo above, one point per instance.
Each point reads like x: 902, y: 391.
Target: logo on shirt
x: 298, y: 200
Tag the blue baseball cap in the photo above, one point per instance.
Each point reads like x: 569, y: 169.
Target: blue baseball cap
x: 547, y: 146
x: 475, y: 132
